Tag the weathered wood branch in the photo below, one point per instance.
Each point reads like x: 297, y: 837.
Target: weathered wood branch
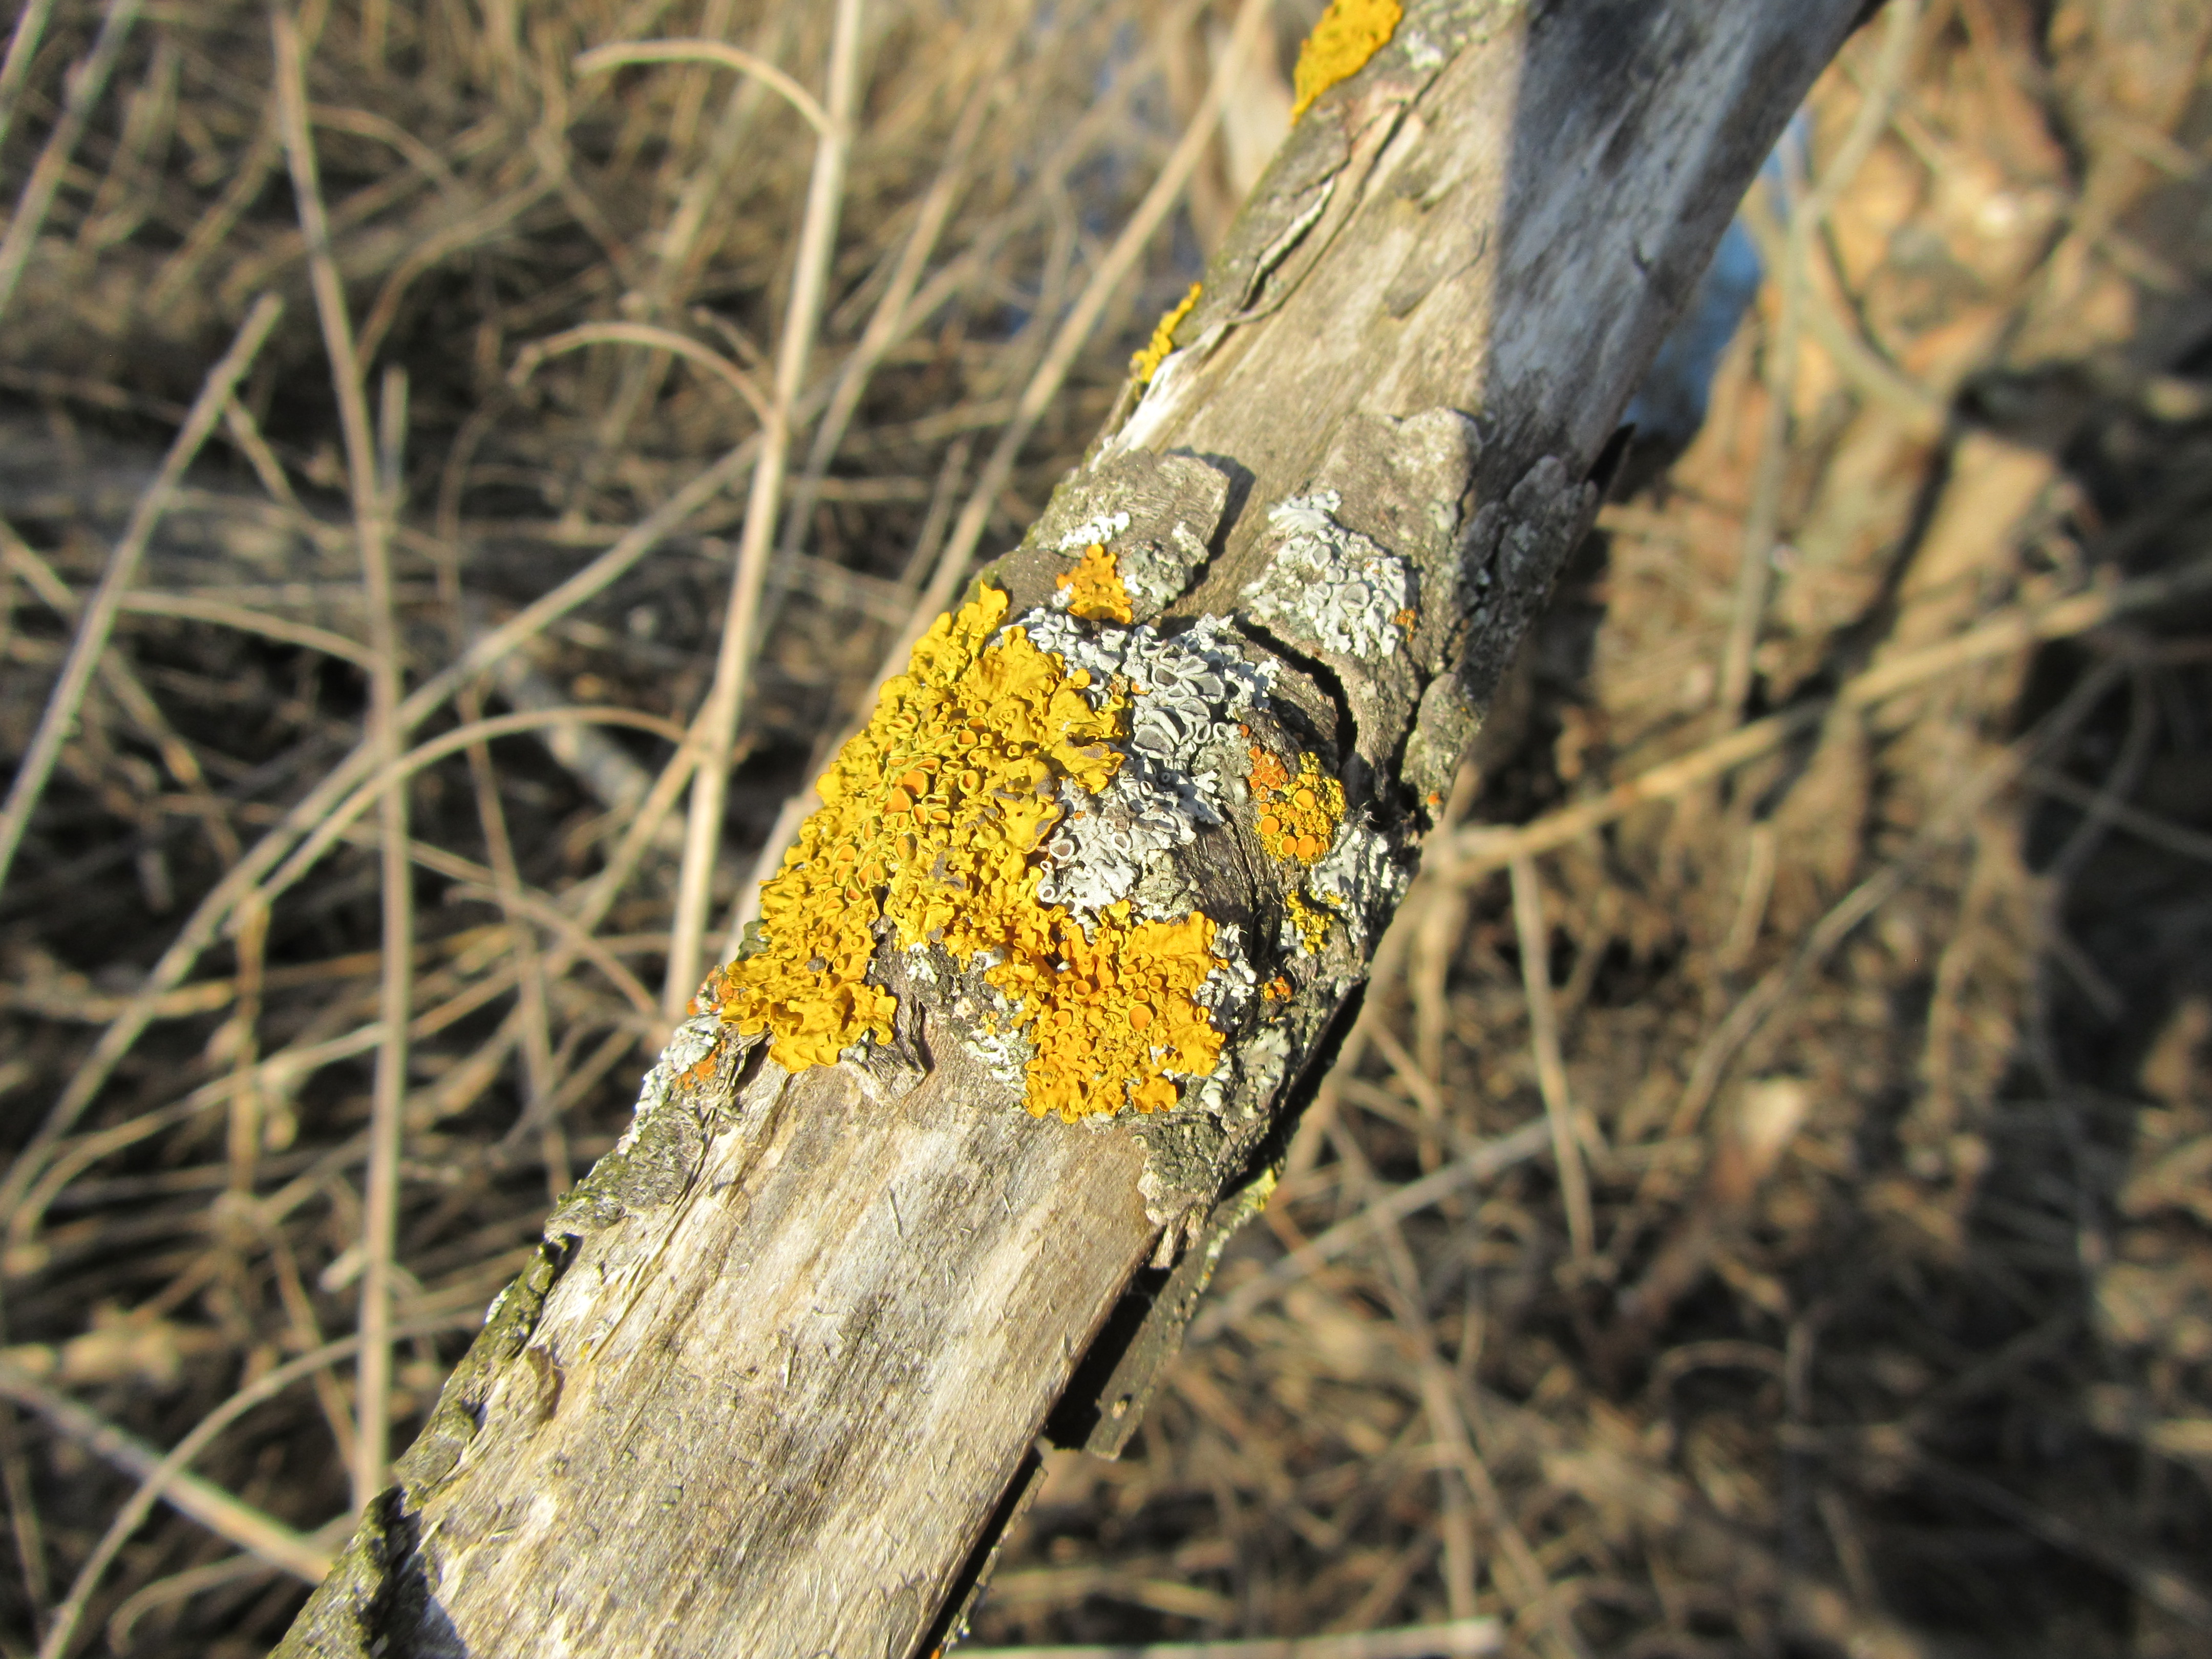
x: 775, y: 1382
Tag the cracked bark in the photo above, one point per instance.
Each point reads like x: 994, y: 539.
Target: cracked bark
x: 777, y: 1380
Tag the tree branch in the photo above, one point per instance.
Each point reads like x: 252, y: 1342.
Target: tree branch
x: 777, y: 1380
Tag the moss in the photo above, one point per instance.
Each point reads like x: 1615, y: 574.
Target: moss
x: 1349, y: 33
x: 931, y: 829
x: 1144, y: 364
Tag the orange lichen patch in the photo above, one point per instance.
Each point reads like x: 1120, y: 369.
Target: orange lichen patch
x: 1097, y: 594
x: 1114, y: 1011
x: 930, y: 820
x: 1144, y: 364
x: 1277, y: 989
x: 1407, y: 619
x: 1267, y: 774
x: 1349, y: 33
x: 1296, y: 817
x: 1310, y: 920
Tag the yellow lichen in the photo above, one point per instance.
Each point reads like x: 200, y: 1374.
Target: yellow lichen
x: 1097, y: 595
x: 1349, y: 33
x: 1296, y: 817
x: 931, y: 821
x: 1310, y: 920
x: 1116, y: 1011
x: 1143, y: 365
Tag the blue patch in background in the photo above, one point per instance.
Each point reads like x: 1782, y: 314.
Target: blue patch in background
x: 1669, y: 405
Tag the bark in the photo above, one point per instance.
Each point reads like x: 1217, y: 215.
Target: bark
x: 776, y: 1380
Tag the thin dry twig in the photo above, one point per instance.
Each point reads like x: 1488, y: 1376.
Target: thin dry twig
x: 22, y: 47
x: 1481, y: 1164
x: 1044, y: 384
x: 1803, y: 213
x: 61, y: 1634
x: 721, y: 55
x: 1479, y: 850
x: 645, y: 334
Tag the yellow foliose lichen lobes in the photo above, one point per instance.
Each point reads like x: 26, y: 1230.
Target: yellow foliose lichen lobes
x: 930, y: 819
x: 1349, y: 33
x: 1297, y: 815
x: 1097, y: 594
x: 1114, y: 1011
x: 1144, y: 364
x: 1310, y: 920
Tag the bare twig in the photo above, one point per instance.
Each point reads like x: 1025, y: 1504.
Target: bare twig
x: 2148, y: 827
x: 1745, y: 1018
x: 22, y: 47
x: 1801, y: 212
x: 154, y: 1483
x: 1075, y: 331
x: 1479, y: 849
x: 722, y: 55
x: 646, y: 334
x: 1485, y: 1164
x: 1762, y: 520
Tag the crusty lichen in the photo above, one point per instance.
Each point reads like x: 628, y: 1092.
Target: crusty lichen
x: 931, y: 829
x: 1308, y: 920
x: 1349, y: 33
x: 1297, y: 815
x: 1145, y: 363
x: 1336, y: 868
x: 1093, y: 590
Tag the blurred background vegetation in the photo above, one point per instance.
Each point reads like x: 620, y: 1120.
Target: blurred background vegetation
x: 1877, y: 1319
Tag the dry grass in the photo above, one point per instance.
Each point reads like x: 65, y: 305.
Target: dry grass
x: 1876, y: 1314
